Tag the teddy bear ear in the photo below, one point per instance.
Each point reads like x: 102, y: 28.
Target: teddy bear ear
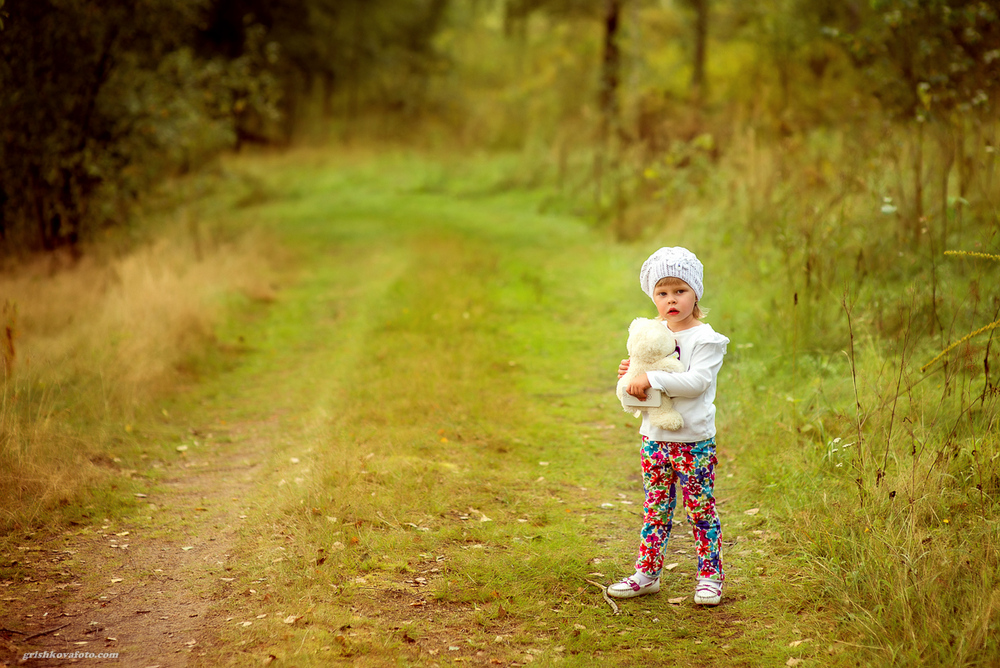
x: 638, y: 322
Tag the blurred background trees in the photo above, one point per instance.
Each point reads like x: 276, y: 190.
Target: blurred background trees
x: 630, y: 105
x: 102, y: 98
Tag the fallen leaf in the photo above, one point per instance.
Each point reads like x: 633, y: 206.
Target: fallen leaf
x: 114, y: 580
x: 796, y: 643
x: 752, y: 511
x: 677, y: 601
x: 793, y: 662
x: 671, y: 567
x: 291, y: 619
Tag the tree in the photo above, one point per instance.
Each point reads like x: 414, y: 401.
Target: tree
x: 101, y: 98
x: 931, y: 56
x: 609, y: 13
x: 380, y: 50
x: 699, y: 84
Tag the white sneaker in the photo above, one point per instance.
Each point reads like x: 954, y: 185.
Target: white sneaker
x: 628, y: 588
x: 708, y: 592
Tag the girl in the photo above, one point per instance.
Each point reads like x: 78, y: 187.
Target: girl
x: 672, y: 277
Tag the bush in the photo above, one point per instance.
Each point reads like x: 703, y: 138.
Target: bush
x: 102, y: 99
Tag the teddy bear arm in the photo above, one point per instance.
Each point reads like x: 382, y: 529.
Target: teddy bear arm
x: 671, y: 364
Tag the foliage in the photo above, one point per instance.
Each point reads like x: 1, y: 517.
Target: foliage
x: 100, y: 100
x: 932, y: 56
x: 361, y: 51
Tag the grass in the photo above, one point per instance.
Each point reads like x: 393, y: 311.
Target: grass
x: 450, y: 360
x: 448, y: 464
x: 97, y: 344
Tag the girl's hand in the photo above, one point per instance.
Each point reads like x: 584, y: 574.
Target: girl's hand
x: 622, y: 368
x: 637, y: 388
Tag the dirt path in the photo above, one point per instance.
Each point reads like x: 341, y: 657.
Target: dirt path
x: 143, y: 589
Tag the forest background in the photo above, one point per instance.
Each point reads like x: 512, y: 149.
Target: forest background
x: 842, y: 154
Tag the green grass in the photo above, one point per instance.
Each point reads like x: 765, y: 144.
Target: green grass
x: 432, y: 371
x: 443, y: 370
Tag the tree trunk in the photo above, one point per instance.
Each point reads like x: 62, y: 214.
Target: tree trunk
x: 610, y: 123
x: 698, y: 82
x: 610, y: 69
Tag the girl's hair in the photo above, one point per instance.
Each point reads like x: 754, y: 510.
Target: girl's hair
x: 667, y: 281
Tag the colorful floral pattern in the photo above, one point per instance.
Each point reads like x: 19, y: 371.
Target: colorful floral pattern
x: 664, y: 465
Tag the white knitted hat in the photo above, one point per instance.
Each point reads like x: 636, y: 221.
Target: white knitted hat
x: 676, y: 262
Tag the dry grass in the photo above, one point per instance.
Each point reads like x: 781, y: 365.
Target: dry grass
x: 93, y: 342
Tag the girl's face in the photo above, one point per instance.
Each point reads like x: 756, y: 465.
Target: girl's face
x: 675, y: 302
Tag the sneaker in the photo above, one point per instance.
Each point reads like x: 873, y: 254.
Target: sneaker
x: 629, y: 588
x: 708, y: 592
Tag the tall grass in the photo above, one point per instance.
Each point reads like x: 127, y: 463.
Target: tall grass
x: 880, y: 365
x: 94, y: 343
x: 883, y: 476
x: 859, y: 265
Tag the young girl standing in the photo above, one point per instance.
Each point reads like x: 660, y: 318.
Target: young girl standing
x: 672, y: 277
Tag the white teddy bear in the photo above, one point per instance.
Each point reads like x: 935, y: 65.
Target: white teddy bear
x: 651, y: 347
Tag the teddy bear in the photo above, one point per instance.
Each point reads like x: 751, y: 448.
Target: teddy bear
x: 651, y: 347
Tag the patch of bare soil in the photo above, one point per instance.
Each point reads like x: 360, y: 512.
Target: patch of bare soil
x: 137, y: 593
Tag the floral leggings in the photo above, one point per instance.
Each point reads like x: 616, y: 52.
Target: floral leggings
x: 665, y: 464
